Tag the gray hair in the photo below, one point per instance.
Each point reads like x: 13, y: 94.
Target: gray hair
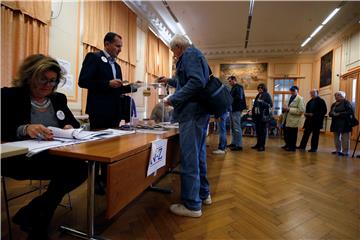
x: 180, y: 41
x: 341, y: 93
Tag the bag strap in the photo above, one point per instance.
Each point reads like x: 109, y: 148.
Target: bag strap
x: 210, y: 72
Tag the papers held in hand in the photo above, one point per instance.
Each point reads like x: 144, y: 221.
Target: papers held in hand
x: 77, y: 133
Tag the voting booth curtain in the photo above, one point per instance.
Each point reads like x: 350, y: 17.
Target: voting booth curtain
x: 24, y: 31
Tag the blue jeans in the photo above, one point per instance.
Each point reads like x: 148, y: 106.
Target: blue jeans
x: 236, y: 131
x: 194, y: 182
x: 222, y: 131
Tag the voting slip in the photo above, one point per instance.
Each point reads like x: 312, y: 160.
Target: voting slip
x: 157, y: 156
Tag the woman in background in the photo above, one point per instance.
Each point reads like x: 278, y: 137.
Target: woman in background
x: 340, y: 111
x: 261, y: 113
x: 27, y: 109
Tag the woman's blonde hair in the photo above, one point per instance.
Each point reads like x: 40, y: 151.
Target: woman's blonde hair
x: 33, y: 67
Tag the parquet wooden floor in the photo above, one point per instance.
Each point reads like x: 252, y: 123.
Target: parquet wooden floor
x: 256, y: 195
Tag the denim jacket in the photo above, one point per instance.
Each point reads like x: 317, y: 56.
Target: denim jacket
x: 192, y: 74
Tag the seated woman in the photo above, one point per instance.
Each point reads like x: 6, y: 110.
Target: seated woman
x: 27, y: 109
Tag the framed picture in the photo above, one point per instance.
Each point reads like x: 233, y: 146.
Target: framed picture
x: 249, y: 75
x: 326, y: 69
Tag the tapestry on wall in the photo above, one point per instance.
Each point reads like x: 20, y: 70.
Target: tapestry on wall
x: 249, y: 75
x: 326, y: 69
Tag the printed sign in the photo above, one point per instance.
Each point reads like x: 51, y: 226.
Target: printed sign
x: 157, y: 156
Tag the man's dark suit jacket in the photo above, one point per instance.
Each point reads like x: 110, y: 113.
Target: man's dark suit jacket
x: 95, y: 75
x: 16, y: 111
x: 319, y: 110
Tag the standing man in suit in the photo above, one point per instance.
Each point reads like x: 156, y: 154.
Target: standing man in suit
x: 314, y: 114
x: 102, y: 76
x: 293, y: 112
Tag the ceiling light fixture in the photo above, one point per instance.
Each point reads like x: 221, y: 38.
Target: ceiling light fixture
x: 316, y: 31
x: 181, y: 28
x: 251, y: 11
x: 327, y: 19
x: 306, y: 41
x: 332, y: 14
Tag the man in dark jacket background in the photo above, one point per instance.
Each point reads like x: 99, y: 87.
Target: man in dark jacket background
x: 239, y: 104
x: 314, y: 114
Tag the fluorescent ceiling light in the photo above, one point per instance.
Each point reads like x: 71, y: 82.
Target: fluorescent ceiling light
x: 188, y: 39
x: 306, y: 41
x: 316, y: 30
x: 181, y: 28
x: 251, y: 8
x: 330, y: 16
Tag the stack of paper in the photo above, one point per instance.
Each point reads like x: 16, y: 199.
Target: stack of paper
x: 65, y: 138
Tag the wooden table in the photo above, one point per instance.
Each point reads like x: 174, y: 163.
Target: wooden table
x: 11, y: 151
x: 127, y: 158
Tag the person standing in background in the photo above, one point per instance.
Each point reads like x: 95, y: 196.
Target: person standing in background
x: 239, y: 104
x: 314, y: 114
x: 293, y: 112
x: 261, y: 114
x: 340, y: 111
x: 222, y: 134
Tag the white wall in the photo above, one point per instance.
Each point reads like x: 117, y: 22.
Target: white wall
x: 64, y: 44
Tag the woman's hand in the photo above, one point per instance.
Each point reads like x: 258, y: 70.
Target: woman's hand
x: 68, y: 126
x: 39, y: 131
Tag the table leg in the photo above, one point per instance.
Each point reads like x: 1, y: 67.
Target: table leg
x: 90, y: 209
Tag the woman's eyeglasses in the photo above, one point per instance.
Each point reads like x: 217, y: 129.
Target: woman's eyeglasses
x: 45, y: 81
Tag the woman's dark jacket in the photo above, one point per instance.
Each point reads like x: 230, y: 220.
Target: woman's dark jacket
x: 16, y: 111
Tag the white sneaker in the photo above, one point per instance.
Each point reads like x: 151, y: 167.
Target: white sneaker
x: 218, y: 151
x: 207, y: 201
x: 181, y: 210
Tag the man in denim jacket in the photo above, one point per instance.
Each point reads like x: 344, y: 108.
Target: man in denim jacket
x: 192, y: 74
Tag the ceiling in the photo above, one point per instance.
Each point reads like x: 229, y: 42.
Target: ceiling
x: 219, y: 28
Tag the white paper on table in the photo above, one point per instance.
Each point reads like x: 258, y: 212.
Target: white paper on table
x: 116, y: 133
x: 151, y: 131
x: 157, y: 156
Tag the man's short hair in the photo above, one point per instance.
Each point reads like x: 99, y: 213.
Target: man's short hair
x: 109, y: 37
x: 293, y: 88
x: 232, y: 78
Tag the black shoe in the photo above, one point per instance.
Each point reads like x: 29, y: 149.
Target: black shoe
x: 343, y: 154
x: 334, y: 152
x: 261, y: 149
x: 236, y: 149
x: 284, y: 147
x: 32, y: 222
x: 312, y: 150
x: 24, y: 220
x: 38, y: 235
x: 255, y: 147
x: 290, y: 149
x: 230, y: 145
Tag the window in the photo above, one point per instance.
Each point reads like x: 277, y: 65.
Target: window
x: 281, y: 93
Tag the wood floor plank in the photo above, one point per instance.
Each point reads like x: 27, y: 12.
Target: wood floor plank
x: 256, y: 196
